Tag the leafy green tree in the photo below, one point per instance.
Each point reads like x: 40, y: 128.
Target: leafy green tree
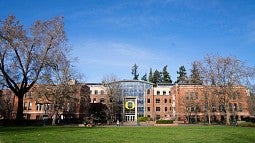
x: 156, y: 77
x: 182, y: 75
x: 134, y: 72
x: 166, y: 77
x: 150, y: 75
x: 144, y: 78
x: 195, y: 75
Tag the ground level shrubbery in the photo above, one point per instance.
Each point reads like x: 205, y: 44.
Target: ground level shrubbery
x: 164, y: 122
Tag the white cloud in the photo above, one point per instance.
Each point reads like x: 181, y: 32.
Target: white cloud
x: 104, y: 53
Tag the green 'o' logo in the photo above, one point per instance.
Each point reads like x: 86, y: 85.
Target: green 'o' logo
x: 129, y: 105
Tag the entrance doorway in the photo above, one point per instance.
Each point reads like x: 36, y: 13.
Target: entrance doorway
x: 130, y: 109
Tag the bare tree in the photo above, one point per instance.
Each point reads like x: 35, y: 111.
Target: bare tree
x: 26, y: 55
x: 63, y: 92
x: 114, y: 96
x: 224, y: 75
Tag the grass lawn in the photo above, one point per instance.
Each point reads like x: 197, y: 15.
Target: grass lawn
x: 185, y: 134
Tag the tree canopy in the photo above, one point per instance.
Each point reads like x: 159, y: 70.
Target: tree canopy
x: 182, y: 75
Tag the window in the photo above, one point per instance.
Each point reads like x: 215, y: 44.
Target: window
x: 157, y: 100
x: 149, y: 116
x: 148, y: 109
x: 101, y: 100
x: 102, y: 92
x: 30, y: 106
x: 148, y: 91
x: 235, y: 107
x: 164, y: 92
x: 38, y: 107
x: 96, y: 92
x: 25, y: 105
x: 157, y: 109
x: 192, y: 109
x: 165, y: 108
x: 148, y: 100
x: 158, y: 92
x: 94, y: 100
x: 165, y: 100
x: 196, y: 95
x: 170, y: 108
x: 169, y: 100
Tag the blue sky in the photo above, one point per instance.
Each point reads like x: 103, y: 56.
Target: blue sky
x: 109, y: 37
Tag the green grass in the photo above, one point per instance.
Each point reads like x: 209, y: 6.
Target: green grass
x: 185, y: 134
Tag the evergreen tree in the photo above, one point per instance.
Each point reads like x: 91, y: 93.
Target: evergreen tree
x: 195, y: 76
x: 156, y: 77
x: 134, y: 72
x: 150, y: 75
x: 144, y: 78
x: 182, y: 75
x: 166, y: 77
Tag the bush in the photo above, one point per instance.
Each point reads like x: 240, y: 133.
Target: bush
x: 144, y: 119
x: 246, y: 124
x: 164, y: 122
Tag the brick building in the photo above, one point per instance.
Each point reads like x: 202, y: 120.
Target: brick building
x: 140, y: 98
x: 170, y: 101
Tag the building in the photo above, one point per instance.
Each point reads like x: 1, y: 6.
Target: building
x: 41, y: 103
x: 131, y: 99
x: 183, y: 102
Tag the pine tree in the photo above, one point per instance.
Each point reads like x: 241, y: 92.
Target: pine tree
x: 182, y: 78
x: 134, y: 72
x: 166, y: 77
x: 144, y: 78
x: 195, y: 76
x: 150, y: 75
x: 156, y: 77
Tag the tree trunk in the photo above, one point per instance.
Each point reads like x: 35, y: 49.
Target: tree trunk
x: 227, y: 118
x: 19, y: 114
x: 54, y: 119
x: 209, y: 118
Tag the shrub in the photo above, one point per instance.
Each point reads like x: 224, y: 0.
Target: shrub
x: 144, y: 119
x: 164, y: 122
x: 246, y: 124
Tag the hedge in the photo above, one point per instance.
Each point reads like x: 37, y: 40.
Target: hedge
x: 144, y: 119
x: 246, y: 124
x: 164, y: 122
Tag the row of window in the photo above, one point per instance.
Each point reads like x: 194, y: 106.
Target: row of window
x: 96, y: 92
x: 213, y: 108
x: 158, y: 100
x: 28, y: 94
x: 102, y: 100
x: 39, y: 107
x: 158, y: 109
x: 158, y: 92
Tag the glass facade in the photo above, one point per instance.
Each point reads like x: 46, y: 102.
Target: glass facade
x: 135, y: 90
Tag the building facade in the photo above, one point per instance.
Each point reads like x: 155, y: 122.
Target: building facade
x: 183, y: 102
